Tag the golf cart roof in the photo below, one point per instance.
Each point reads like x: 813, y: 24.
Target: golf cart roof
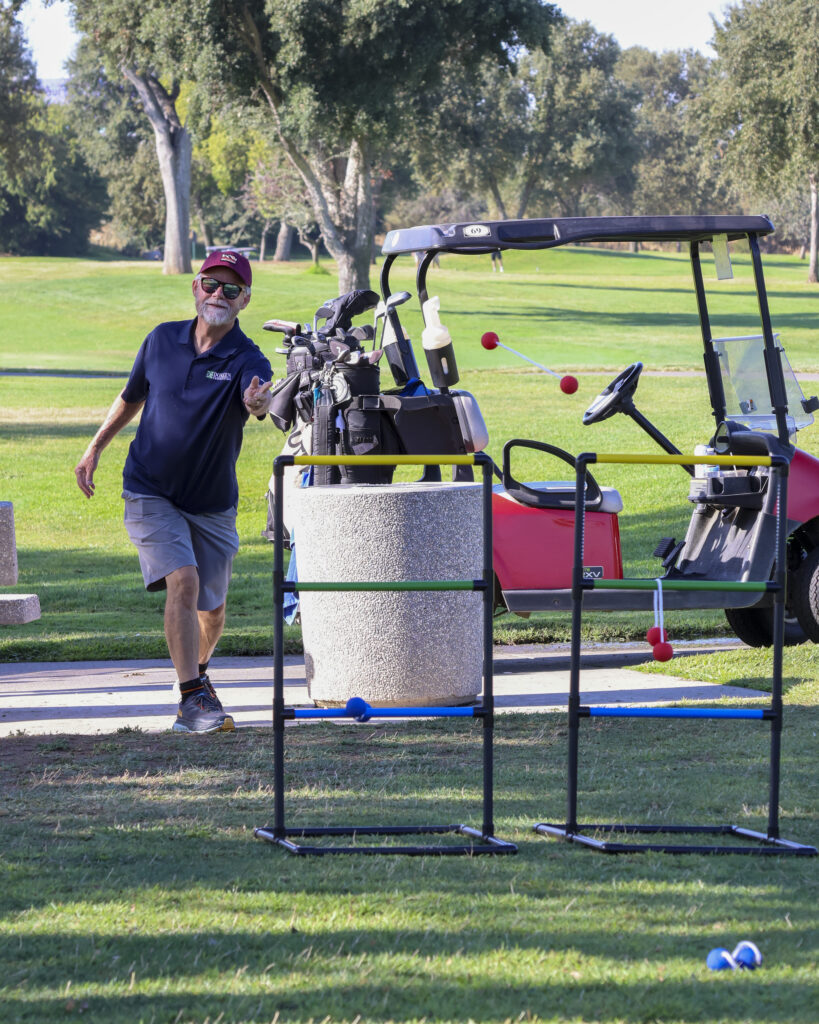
x: 546, y: 233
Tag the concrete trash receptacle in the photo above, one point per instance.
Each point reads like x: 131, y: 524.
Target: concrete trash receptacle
x: 393, y: 648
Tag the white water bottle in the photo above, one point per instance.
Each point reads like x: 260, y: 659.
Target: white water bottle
x: 438, y: 346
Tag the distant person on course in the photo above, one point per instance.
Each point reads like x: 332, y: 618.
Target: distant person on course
x: 196, y: 382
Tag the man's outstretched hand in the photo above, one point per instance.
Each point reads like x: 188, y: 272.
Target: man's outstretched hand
x: 257, y: 397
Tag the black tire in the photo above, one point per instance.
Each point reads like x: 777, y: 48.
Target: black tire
x: 754, y: 626
x: 804, y: 593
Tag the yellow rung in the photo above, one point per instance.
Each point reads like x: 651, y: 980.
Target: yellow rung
x: 688, y: 460
x: 384, y: 460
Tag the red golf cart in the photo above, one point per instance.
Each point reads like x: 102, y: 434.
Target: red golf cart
x: 758, y: 408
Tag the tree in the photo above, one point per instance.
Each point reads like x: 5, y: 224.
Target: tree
x: 118, y: 144
x: 555, y: 131
x: 580, y: 146
x: 145, y: 43
x: 676, y: 172
x: 342, y: 81
x: 20, y: 96
x: 472, y: 143
x: 764, y: 100
x: 275, y: 192
x: 49, y: 200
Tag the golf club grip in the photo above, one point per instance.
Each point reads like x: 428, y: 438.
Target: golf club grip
x: 399, y: 353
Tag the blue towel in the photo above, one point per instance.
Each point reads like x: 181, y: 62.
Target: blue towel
x: 413, y: 387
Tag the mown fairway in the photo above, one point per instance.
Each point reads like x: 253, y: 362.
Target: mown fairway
x: 579, y: 310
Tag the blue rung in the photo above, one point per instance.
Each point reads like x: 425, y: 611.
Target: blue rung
x: 467, y: 712
x: 362, y: 714
x: 320, y: 713
x: 674, y: 712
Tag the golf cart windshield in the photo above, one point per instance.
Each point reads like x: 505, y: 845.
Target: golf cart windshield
x: 745, y: 382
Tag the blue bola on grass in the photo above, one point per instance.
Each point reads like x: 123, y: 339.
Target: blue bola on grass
x: 747, y: 955
x: 358, y: 708
x: 720, y: 959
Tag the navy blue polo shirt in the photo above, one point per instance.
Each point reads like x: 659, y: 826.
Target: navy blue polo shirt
x: 190, y: 433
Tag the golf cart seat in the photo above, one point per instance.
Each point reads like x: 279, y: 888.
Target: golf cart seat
x: 558, y: 494
x: 554, y: 494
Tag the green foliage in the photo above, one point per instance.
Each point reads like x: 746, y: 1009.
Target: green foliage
x: 551, y: 134
x: 765, y: 96
x: 119, y: 144
x: 675, y: 172
x: 581, y: 136
x: 763, y: 103
x: 49, y: 200
x: 20, y: 98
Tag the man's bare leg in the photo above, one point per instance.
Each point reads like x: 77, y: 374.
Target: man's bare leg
x: 182, y: 621
x: 211, y: 624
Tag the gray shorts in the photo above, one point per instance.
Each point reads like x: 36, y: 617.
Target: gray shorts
x: 166, y: 538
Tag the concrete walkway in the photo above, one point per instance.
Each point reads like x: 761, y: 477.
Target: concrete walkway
x: 101, y: 697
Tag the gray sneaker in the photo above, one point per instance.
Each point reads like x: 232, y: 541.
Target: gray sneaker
x: 204, y: 679
x: 200, y: 712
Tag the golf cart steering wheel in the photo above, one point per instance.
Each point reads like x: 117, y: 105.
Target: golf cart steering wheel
x: 610, y: 399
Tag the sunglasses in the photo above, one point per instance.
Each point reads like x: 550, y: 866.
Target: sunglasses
x: 211, y: 286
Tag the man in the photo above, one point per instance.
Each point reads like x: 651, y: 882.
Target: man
x: 196, y: 382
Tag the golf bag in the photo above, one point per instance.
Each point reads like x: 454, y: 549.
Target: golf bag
x: 331, y: 403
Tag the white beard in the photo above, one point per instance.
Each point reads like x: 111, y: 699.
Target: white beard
x: 215, y: 315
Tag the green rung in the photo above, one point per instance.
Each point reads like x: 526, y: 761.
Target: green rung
x: 299, y: 586
x: 737, y: 585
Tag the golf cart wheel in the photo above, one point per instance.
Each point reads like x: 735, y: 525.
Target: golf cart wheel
x: 754, y: 626
x: 804, y: 588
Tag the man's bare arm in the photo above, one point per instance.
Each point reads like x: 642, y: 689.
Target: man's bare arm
x: 120, y: 414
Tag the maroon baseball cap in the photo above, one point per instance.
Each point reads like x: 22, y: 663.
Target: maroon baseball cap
x: 231, y: 259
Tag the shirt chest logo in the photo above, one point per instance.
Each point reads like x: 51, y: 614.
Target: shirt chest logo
x: 213, y: 375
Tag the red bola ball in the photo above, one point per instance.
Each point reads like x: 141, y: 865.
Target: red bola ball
x: 653, y: 636
x: 490, y: 340
x: 663, y: 652
x: 568, y: 384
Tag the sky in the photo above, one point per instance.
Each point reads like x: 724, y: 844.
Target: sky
x: 650, y: 23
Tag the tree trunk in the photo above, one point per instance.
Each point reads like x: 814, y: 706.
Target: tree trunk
x: 263, y: 240
x: 173, y: 150
x: 284, y: 242
x: 813, y: 269
x: 344, y: 209
x: 204, y: 229
x: 496, y: 195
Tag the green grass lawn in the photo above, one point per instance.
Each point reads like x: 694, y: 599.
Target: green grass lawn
x: 134, y: 891
x: 579, y: 308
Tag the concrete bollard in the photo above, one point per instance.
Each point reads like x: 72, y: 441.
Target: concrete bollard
x: 15, y: 609
x: 18, y: 609
x: 391, y: 648
x: 8, y: 546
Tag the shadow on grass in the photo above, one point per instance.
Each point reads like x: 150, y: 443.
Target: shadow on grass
x: 604, y: 319
x: 37, y: 433
x: 131, y: 845
x: 98, y: 608
x: 420, y: 998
